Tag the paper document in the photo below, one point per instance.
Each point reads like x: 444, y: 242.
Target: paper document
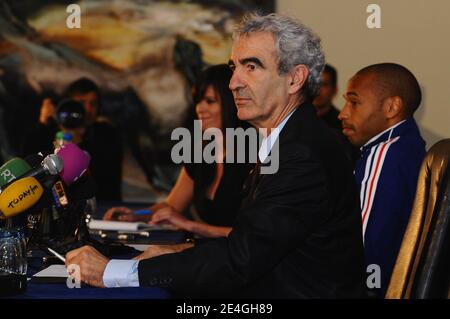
x: 139, y: 247
x: 55, y: 271
x: 125, y: 226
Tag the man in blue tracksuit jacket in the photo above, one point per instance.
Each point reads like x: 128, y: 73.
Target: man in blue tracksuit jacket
x: 378, y: 117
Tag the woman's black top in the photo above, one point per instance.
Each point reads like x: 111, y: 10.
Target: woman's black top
x: 223, y: 208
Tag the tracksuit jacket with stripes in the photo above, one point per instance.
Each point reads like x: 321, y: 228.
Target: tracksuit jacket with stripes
x: 386, y: 174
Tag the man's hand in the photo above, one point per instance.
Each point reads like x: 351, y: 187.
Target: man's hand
x: 169, y: 215
x: 47, y: 112
x: 92, y: 264
x: 124, y: 214
x: 158, y: 250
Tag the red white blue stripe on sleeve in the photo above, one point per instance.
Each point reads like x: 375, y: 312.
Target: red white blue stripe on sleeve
x: 374, y: 166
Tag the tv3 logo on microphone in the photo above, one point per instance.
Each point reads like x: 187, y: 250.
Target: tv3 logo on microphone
x: 59, y: 194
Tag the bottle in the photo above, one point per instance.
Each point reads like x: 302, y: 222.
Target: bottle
x: 62, y: 138
x: 59, y: 140
x: 67, y: 138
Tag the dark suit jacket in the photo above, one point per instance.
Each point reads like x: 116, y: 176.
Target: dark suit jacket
x: 297, y: 236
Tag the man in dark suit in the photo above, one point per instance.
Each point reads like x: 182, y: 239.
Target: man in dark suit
x: 298, y: 233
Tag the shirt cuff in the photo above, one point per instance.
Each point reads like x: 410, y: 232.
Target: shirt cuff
x: 121, y: 273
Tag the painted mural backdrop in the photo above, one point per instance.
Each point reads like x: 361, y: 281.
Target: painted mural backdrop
x: 143, y: 54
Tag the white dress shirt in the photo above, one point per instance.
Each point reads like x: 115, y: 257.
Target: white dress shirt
x: 121, y: 273
x: 269, y: 141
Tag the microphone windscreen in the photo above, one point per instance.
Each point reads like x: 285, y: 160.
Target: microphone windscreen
x: 53, y: 164
x: 12, y: 169
x: 75, y: 160
x: 20, y: 196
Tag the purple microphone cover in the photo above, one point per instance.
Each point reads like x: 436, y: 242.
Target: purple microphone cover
x: 76, y: 162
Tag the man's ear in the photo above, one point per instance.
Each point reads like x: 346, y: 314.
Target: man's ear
x: 297, y: 78
x: 393, y: 107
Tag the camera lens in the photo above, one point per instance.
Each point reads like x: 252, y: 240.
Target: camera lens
x: 70, y: 114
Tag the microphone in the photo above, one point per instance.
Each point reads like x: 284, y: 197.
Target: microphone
x: 17, y: 169
x: 19, y: 196
x: 51, y: 165
x: 67, y: 165
x: 76, y: 162
x: 34, y: 159
x: 55, y: 190
x: 13, y: 169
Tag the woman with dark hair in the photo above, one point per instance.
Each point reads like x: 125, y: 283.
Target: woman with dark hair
x: 215, y: 190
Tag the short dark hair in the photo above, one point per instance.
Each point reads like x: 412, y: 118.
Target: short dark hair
x: 82, y: 86
x: 396, y: 80
x: 332, y: 72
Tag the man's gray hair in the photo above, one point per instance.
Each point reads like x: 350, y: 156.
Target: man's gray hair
x: 295, y: 44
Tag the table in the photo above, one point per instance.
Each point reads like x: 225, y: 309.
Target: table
x: 61, y: 291
x: 36, y: 290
